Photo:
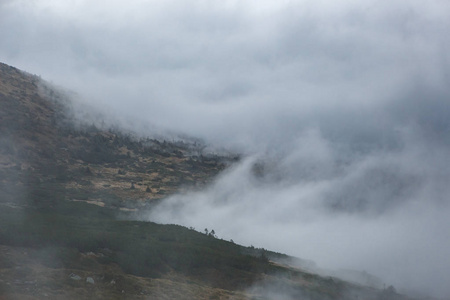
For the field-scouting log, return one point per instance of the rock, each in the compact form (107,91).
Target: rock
(90,280)
(74,276)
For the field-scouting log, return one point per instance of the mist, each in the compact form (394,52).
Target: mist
(341,111)
(383,212)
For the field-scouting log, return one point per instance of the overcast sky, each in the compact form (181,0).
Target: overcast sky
(346,102)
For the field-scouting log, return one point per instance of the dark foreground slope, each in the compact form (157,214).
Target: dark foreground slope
(54,244)
(80,251)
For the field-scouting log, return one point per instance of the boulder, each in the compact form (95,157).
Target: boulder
(74,276)
(90,280)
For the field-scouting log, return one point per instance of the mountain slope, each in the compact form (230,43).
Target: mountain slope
(40,140)
(54,244)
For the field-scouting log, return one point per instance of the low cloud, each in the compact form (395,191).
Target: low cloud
(383,211)
(237,74)
(341,110)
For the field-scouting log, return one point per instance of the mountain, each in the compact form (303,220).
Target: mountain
(42,145)
(68,192)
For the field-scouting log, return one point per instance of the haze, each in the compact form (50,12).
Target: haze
(343,106)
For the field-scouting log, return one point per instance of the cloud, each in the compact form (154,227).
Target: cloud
(383,212)
(234,66)
(343,106)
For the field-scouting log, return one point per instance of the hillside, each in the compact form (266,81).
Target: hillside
(41,141)
(67,194)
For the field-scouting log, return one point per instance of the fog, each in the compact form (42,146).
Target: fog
(385,212)
(341,110)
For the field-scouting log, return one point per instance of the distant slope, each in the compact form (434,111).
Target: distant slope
(41,145)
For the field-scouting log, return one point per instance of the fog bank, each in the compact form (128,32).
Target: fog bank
(341,109)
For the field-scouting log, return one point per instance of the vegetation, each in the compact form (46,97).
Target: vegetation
(139,248)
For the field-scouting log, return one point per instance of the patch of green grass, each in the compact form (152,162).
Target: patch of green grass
(139,248)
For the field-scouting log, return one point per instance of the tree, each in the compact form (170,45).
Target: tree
(213,234)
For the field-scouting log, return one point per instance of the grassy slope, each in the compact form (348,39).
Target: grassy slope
(142,249)
(141,258)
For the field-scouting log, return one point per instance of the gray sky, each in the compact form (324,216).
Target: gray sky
(347,102)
